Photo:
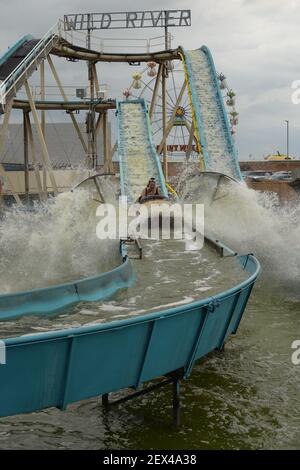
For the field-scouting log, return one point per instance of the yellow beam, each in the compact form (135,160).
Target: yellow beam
(164,116)
(202,164)
(171,121)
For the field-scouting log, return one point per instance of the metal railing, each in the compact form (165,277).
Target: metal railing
(22,69)
(79,38)
(52,92)
(110,44)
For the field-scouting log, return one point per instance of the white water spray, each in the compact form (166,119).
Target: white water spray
(54,243)
(252,221)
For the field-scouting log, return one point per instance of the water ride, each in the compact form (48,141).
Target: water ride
(57,367)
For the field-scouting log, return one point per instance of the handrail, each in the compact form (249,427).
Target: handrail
(27,61)
(42,40)
(77,36)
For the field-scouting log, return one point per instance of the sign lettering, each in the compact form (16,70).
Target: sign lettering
(128,20)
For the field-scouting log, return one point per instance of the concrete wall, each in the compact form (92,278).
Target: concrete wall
(265,165)
(285,192)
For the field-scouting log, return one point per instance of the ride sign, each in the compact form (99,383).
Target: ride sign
(128,20)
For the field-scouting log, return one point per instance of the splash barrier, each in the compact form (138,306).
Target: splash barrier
(55,369)
(46,301)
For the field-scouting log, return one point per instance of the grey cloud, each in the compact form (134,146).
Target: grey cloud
(255,43)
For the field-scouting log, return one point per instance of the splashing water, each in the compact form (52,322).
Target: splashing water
(137,149)
(219,152)
(252,221)
(54,243)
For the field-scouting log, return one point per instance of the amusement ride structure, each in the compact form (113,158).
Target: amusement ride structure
(174,104)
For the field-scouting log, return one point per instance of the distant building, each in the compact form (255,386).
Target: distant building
(64,146)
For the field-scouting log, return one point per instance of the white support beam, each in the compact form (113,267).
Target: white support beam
(43,118)
(63,94)
(109,155)
(190,143)
(42,78)
(45,154)
(105,144)
(3,136)
(113,150)
(4,128)
(99,123)
(155,91)
(42,194)
(96,80)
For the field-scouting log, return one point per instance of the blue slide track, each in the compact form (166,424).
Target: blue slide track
(19,62)
(139,160)
(12,52)
(210,116)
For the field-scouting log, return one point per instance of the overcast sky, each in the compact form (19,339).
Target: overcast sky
(255,43)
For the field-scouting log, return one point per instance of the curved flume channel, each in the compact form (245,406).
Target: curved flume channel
(168,275)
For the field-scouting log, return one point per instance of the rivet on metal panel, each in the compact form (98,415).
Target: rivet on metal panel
(213,305)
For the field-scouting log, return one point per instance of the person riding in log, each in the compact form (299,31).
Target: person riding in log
(151,189)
